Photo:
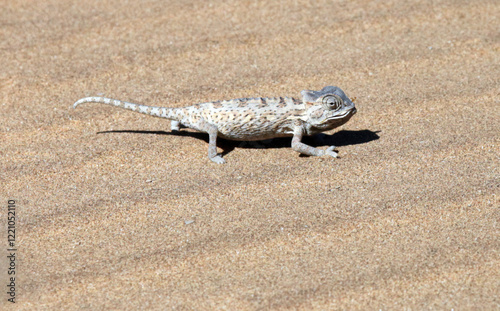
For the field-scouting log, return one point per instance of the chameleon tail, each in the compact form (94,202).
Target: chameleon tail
(161,112)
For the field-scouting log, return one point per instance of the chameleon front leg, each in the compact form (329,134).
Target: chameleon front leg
(300,147)
(212,142)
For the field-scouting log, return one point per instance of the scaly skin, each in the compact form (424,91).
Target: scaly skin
(249,119)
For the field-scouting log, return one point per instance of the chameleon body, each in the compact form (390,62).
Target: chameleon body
(250,119)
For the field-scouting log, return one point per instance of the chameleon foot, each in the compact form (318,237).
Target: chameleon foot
(331,152)
(218,159)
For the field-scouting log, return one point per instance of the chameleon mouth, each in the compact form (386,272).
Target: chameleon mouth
(350,112)
(341,117)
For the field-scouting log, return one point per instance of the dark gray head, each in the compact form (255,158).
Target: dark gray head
(328,106)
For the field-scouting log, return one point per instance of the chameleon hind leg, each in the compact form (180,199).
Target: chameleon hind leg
(212,142)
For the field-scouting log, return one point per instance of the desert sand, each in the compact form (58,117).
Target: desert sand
(114,212)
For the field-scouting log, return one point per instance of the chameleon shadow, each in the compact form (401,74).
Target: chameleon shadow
(339,139)
(221,143)
(346,138)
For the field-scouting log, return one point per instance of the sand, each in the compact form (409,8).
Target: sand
(113,212)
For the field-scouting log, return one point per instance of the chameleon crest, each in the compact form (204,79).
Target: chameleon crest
(260,118)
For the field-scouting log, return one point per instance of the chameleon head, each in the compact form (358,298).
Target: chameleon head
(328,108)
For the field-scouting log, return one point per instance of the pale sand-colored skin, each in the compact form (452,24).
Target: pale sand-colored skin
(116,213)
(250,119)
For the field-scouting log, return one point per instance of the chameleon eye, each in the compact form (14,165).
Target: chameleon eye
(332,102)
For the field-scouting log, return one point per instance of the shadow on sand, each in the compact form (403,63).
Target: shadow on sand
(339,139)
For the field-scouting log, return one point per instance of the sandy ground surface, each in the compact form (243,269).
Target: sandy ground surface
(115,212)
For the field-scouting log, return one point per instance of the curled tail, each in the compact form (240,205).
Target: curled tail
(161,112)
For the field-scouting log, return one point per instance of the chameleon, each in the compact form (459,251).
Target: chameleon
(252,119)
